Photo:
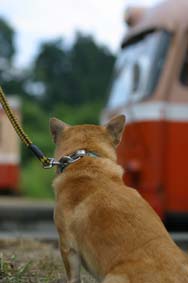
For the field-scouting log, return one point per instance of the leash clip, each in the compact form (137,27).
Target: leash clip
(52,163)
(68,159)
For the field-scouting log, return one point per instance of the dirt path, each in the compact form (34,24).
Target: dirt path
(27,261)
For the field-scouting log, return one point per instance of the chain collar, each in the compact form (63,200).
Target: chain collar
(69,159)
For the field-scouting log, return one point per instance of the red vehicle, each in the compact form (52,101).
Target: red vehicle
(150,87)
(9,151)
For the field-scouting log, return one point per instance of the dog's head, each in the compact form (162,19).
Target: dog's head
(100,139)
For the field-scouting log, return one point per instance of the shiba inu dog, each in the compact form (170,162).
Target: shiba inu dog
(102,224)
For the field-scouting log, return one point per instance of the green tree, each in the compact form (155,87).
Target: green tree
(50,68)
(75,76)
(91,70)
(7,46)
(11,79)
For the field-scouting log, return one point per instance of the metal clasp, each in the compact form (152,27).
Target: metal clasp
(65,160)
(74,157)
(52,163)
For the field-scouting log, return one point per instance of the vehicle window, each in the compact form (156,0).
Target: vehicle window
(136,77)
(184,70)
(138,68)
(121,88)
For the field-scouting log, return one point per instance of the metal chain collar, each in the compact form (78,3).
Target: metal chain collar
(69,159)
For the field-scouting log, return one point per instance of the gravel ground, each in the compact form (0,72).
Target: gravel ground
(28,261)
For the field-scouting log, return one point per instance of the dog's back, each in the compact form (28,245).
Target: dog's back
(103,224)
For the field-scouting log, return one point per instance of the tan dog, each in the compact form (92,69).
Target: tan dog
(103,224)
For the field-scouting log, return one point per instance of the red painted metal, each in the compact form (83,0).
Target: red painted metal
(9,177)
(9,151)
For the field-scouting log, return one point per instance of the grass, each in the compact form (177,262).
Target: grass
(9,272)
(27,261)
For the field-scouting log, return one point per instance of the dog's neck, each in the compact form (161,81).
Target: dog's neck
(65,161)
(103,161)
(89,168)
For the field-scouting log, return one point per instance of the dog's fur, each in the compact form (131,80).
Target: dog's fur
(103,224)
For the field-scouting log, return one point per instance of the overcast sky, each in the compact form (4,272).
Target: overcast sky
(39,20)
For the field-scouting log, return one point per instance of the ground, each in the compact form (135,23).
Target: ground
(27,261)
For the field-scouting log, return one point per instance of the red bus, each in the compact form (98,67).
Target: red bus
(9,151)
(150,87)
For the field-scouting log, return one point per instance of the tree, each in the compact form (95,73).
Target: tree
(91,70)
(73,76)
(7,48)
(10,79)
(50,68)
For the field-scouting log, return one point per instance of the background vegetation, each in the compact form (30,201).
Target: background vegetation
(70,83)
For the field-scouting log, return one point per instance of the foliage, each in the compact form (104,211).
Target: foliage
(87,113)
(35,124)
(7,48)
(11,80)
(67,82)
(37,182)
(91,70)
(75,76)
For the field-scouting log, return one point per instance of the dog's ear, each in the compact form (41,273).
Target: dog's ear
(56,127)
(115,128)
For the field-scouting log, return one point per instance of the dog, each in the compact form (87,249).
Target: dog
(102,224)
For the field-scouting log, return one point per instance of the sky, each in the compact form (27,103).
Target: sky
(36,21)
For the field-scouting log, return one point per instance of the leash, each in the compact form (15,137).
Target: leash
(47,163)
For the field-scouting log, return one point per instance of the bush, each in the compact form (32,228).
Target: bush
(36,182)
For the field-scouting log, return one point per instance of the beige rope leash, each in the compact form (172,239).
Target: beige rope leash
(46,162)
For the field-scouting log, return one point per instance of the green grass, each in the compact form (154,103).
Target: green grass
(28,261)
(10,273)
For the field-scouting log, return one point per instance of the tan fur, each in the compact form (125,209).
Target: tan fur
(103,224)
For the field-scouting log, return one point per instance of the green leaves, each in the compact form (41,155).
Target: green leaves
(74,76)
(7,48)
